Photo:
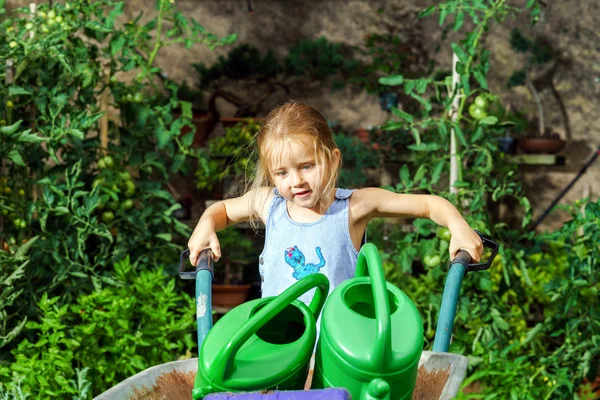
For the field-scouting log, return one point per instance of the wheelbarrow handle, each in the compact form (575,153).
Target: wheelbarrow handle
(204,262)
(464,258)
(459,267)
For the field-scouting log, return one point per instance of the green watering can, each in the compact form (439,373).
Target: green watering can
(371,336)
(263,344)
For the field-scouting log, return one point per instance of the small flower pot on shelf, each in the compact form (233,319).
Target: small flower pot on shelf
(541,145)
(229,295)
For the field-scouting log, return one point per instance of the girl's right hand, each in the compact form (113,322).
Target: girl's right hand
(203,237)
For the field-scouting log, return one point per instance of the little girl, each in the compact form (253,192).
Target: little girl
(311,226)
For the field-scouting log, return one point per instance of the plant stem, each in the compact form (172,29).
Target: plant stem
(158,43)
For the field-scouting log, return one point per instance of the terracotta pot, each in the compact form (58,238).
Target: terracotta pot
(541,145)
(362,134)
(228,122)
(229,295)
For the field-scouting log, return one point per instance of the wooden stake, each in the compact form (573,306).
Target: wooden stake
(104,109)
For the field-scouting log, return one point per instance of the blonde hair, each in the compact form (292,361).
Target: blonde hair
(299,122)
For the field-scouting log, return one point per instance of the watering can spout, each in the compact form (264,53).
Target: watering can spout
(377,389)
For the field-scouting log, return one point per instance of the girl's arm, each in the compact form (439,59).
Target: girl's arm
(222,214)
(374,202)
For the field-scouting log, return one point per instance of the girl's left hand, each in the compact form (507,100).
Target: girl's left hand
(465,238)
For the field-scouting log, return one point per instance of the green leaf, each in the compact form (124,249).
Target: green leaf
(461,184)
(25,247)
(464,80)
(459,133)
(489,120)
(60,210)
(165,236)
(186,109)
(420,173)
(393,80)
(437,171)
(404,174)
(11,129)
(404,115)
(76,133)
(416,135)
(163,137)
(460,53)
(425,103)
(97,26)
(422,85)
(480,78)
(426,12)
(442,129)
(459,20)
(116,45)
(477,135)
(16,158)
(27,137)
(17,91)
(443,14)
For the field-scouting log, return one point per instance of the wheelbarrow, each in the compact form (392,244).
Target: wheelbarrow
(439,376)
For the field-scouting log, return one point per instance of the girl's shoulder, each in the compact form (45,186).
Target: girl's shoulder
(261,199)
(364,201)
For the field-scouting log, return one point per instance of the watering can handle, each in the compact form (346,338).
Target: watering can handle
(369,264)
(223,361)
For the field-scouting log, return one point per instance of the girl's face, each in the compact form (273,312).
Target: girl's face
(297,176)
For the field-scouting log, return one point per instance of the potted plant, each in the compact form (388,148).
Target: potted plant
(226,160)
(245,70)
(540,54)
(237,253)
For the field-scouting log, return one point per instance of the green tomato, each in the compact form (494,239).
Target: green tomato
(108,216)
(480,102)
(137,97)
(101,164)
(21,193)
(44,28)
(477,112)
(59,19)
(42,14)
(125,176)
(7,190)
(29,26)
(444,233)
(9,104)
(13,44)
(127,204)
(129,186)
(51,14)
(23,224)
(109,161)
(432,261)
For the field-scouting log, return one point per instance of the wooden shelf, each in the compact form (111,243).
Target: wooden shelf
(537,159)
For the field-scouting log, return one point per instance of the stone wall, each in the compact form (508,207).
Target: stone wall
(568,25)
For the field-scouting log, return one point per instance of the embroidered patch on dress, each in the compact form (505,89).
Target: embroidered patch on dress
(295,259)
